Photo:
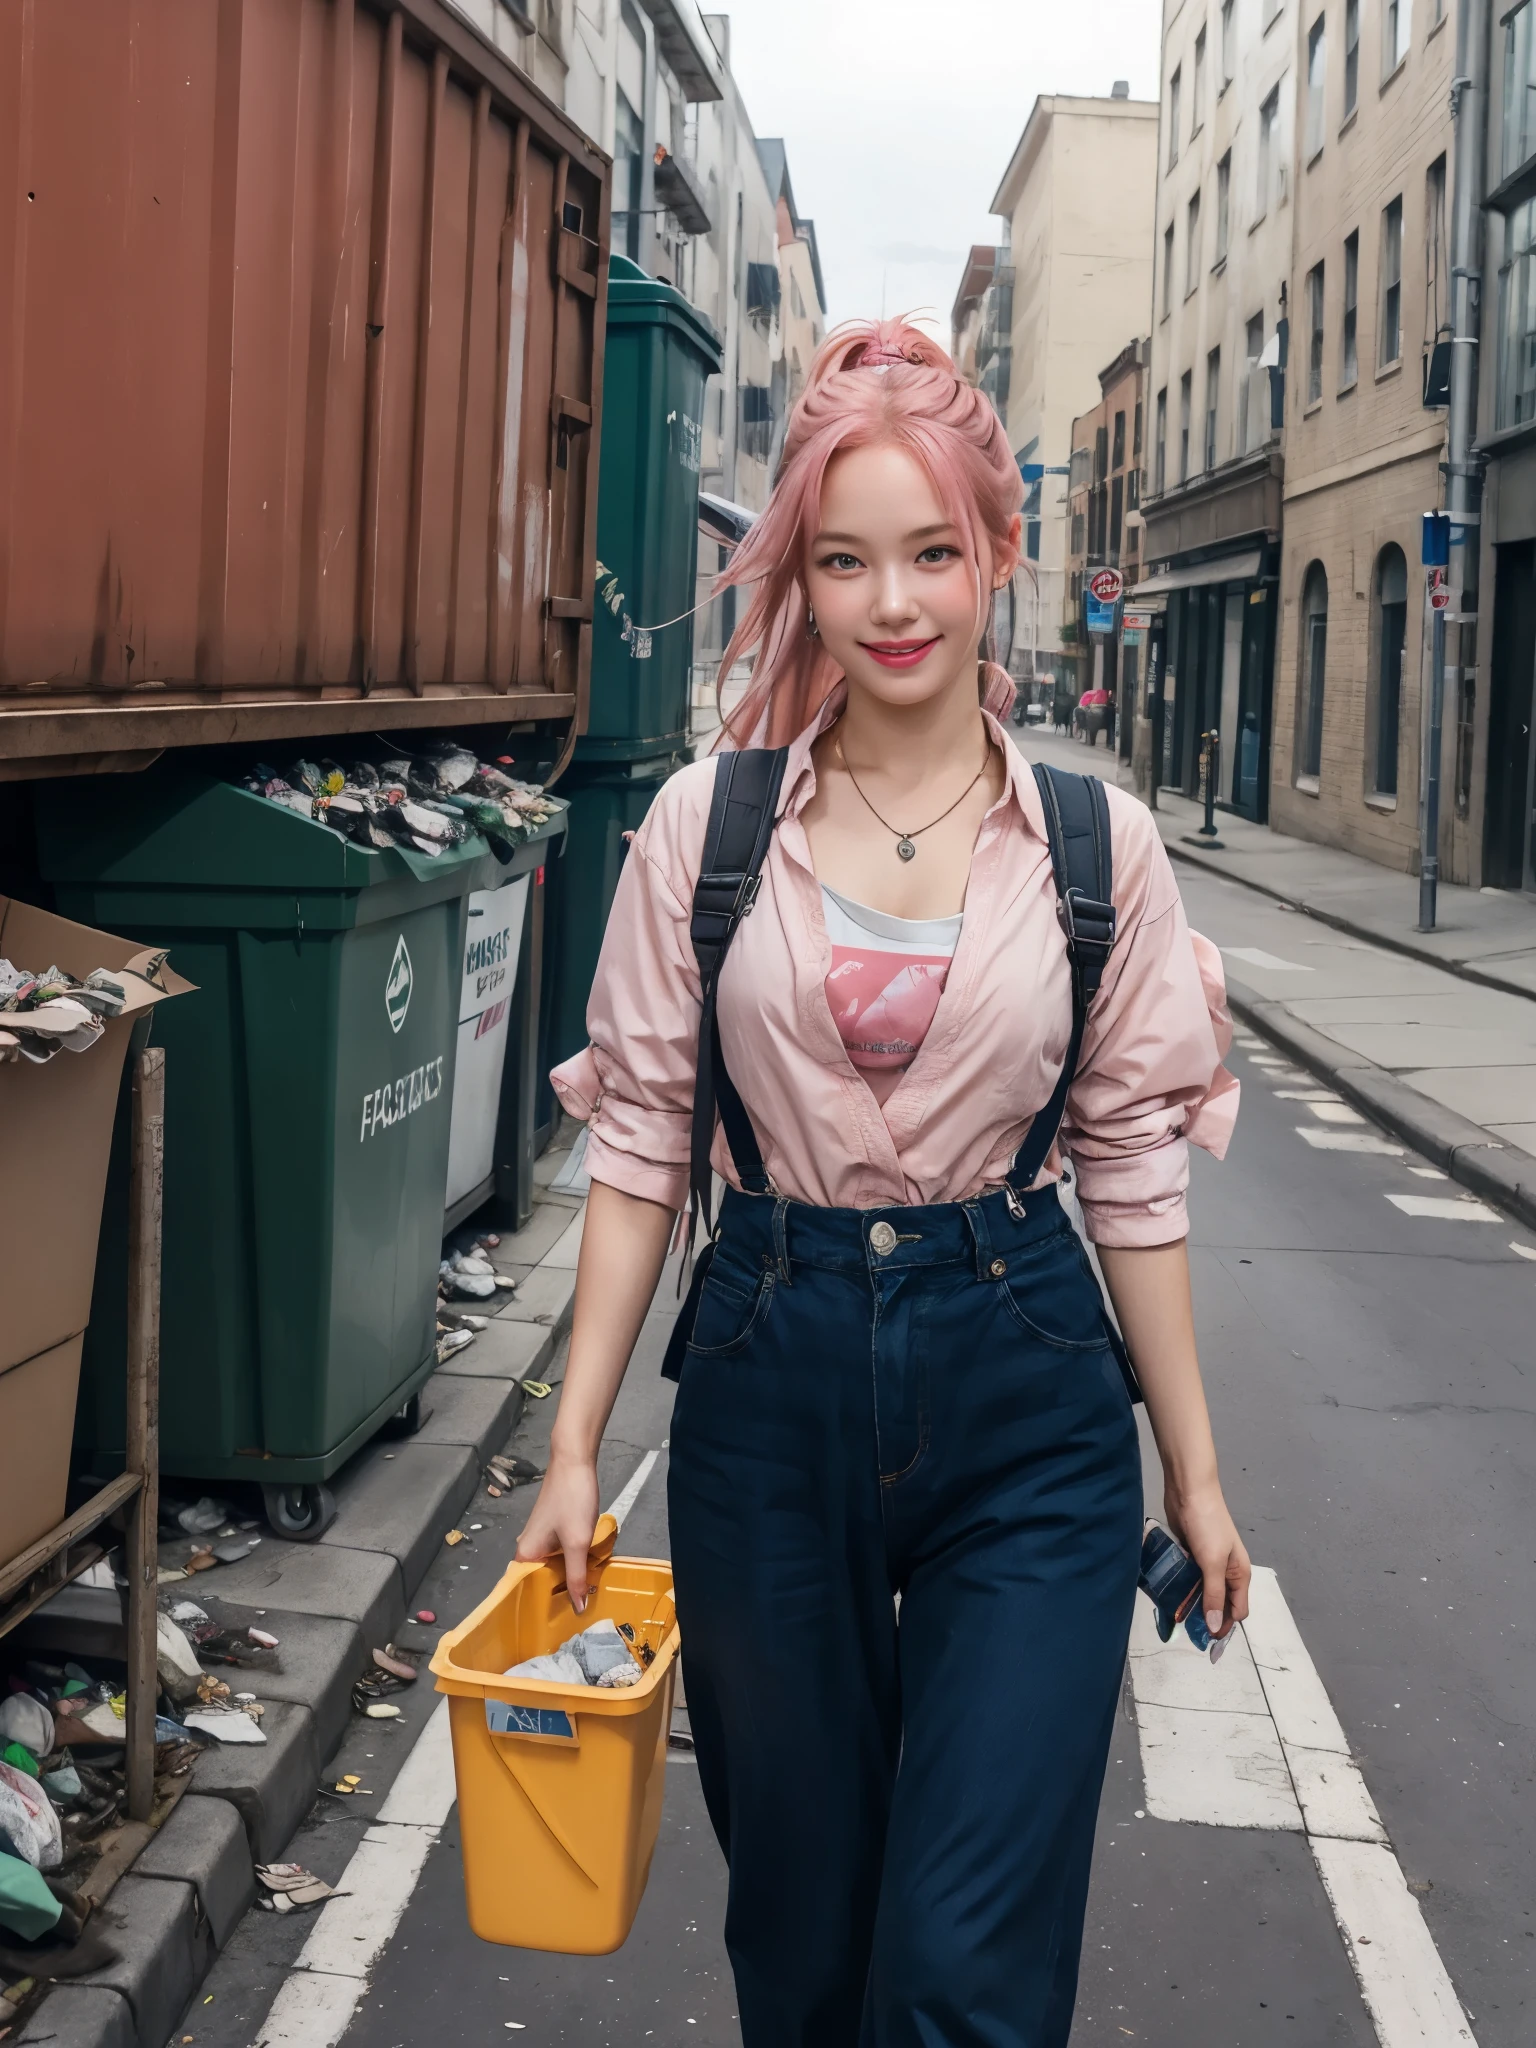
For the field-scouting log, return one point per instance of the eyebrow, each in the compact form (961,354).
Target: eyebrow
(918,533)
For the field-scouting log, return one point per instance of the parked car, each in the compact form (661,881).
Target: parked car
(1093,715)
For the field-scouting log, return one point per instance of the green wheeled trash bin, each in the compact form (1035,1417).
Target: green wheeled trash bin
(659,353)
(307,1121)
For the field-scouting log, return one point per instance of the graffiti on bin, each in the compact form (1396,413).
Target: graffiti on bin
(396,1099)
(502,1718)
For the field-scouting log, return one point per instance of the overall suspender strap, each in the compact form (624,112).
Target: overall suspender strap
(742,814)
(1082,861)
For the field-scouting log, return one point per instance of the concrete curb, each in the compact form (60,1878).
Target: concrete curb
(1499,1173)
(185,1896)
(1391,942)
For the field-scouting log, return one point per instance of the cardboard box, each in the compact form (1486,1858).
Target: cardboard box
(55,1137)
(37,1424)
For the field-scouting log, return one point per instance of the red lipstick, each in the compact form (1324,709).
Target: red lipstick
(899,653)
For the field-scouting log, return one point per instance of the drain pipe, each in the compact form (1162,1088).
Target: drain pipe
(647,239)
(1463,466)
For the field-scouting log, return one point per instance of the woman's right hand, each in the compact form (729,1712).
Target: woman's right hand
(563,1519)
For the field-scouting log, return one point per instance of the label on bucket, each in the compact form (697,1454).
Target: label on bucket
(502,1718)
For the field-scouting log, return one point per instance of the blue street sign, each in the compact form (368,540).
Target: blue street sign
(1435,548)
(1101,617)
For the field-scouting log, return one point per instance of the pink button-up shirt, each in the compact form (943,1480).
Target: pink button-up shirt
(1149,1078)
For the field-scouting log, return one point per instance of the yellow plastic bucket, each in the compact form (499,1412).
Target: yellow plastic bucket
(560,1786)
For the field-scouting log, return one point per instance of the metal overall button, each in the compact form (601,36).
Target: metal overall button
(998,1268)
(882,1238)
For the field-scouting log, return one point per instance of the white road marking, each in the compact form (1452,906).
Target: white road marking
(1526,1251)
(1306,1095)
(1336,1113)
(1326,1140)
(626,1500)
(1407,1992)
(317,2000)
(1254,1742)
(1255,956)
(1429,1173)
(1448,1208)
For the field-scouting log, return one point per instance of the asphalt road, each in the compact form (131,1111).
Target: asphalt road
(1370,1373)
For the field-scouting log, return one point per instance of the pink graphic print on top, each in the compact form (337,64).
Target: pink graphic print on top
(886,979)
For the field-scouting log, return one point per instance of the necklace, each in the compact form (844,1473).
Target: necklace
(904,848)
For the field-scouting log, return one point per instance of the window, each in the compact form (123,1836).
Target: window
(1269,123)
(1519,89)
(1391,284)
(1117,443)
(1255,387)
(1136,435)
(1314,334)
(1436,299)
(1349,340)
(1228,42)
(1116,517)
(1167,270)
(1197,93)
(1314,664)
(1175,98)
(1186,399)
(1396,28)
(1351,56)
(1160,445)
(1132,496)
(1516,400)
(1100,454)
(1317,72)
(1391,624)
(1223,205)
(1192,247)
(1212,404)
(1079,533)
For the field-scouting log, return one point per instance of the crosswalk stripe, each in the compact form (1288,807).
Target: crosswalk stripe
(1447,1208)
(1255,1742)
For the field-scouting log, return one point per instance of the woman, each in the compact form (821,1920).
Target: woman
(905,1492)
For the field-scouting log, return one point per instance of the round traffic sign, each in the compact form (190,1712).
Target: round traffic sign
(1439,600)
(1106,585)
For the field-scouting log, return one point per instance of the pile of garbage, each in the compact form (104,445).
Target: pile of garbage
(44,1014)
(429,801)
(201,1534)
(62,1795)
(609,1654)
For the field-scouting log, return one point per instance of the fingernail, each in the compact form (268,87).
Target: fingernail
(581,1604)
(1213,1619)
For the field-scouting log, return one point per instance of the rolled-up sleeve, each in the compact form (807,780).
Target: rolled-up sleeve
(633,1084)
(1150,1078)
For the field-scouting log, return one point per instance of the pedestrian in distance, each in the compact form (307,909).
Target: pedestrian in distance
(905,1483)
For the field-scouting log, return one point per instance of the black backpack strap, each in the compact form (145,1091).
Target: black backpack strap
(742,814)
(1082,862)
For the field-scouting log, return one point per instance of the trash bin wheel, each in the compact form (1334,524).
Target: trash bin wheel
(300,1513)
(407,1421)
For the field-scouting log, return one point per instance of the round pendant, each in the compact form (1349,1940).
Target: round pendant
(906,849)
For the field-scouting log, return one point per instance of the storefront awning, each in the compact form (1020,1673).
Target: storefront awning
(1226,569)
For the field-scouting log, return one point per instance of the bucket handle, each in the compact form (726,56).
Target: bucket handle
(599,1550)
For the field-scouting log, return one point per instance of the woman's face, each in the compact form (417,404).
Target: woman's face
(889,579)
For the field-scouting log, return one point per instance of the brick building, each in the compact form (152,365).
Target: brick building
(1104,529)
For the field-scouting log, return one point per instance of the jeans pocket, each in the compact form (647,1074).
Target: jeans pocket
(1051,1293)
(731,1311)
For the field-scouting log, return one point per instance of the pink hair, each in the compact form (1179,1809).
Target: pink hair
(872,383)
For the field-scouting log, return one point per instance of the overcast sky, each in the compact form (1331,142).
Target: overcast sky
(900,116)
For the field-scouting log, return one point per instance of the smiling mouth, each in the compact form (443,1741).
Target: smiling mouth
(899,653)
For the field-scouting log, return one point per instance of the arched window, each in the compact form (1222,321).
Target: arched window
(1314,669)
(1391,637)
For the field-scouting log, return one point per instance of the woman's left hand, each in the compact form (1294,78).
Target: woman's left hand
(1207,1531)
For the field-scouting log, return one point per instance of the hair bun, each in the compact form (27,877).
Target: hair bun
(879,345)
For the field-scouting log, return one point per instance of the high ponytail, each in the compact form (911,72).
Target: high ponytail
(872,382)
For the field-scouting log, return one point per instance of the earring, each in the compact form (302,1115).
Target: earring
(812,630)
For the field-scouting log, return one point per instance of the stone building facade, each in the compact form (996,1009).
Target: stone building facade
(1368,295)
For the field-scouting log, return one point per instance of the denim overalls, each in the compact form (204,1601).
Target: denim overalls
(923,1406)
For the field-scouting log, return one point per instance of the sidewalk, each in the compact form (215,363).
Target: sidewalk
(330,1604)
(1432,1035)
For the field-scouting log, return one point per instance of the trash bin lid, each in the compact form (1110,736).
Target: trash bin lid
(636,299)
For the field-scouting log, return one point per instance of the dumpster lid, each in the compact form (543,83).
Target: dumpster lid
(635,298)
